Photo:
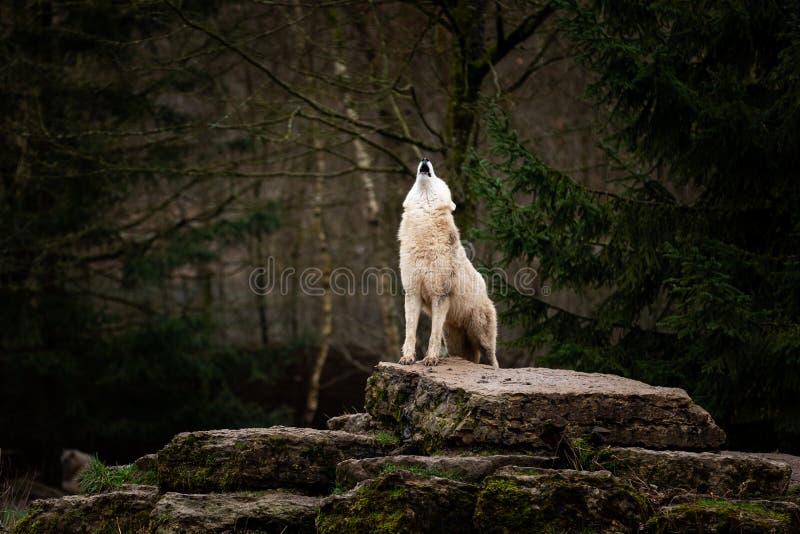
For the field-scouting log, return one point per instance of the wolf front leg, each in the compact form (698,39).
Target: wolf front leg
(413,307)
(439,307)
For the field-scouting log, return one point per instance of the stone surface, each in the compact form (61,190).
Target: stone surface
(790,459)
(356,423)
(258,458)
(400,502)
(710,515)
(126,509)
(148,462)
(720,474)
(461,404)
(525,500)
(235,512)
(464,468)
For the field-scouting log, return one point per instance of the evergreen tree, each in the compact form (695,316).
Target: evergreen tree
(691,257)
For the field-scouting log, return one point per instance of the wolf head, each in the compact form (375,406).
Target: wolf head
(425,168)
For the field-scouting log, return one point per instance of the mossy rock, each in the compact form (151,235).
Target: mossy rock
(126,509)
(730,475)
(259,458)
(710,515)
(554,501)
(461,405)
(401,502)
(267,512)
(472,469)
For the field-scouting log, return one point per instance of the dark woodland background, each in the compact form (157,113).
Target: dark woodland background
(641,156)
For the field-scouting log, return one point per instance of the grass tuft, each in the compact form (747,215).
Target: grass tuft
(98,477)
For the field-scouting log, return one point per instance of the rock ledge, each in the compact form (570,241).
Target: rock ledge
(461,404)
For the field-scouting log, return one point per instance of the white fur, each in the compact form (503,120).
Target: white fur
(439,279)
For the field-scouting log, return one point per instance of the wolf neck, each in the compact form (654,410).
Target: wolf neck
(430,193)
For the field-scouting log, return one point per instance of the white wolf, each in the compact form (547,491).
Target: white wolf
(439,278)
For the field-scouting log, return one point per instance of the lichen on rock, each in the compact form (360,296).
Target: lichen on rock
(712,515)
(235,512)
(400,502)
(126,509)
(471,469)
(464,405)
(259,458)
(529,500)
(704,472)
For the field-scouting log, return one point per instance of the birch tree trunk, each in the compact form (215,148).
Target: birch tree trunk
(372,215)
(324,263)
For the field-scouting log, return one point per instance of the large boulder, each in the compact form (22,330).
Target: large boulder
(707,515)
(462,404)
(464,468)
(400,502)
(258,458)
(235,512)
(524,500)
(126,509)
(719,474)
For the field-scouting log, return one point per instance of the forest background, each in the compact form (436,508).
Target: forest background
(199,204)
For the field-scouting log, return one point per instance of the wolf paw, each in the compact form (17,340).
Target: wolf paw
(406,360)
(431,360)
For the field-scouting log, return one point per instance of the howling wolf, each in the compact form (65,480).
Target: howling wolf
(439,278)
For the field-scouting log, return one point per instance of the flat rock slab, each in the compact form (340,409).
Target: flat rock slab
(235,512)
(792,460)
(708,515)
(124,510)
(462,404)
(727,475)
(464,468)
(400,502)
(524,500)
(259,458)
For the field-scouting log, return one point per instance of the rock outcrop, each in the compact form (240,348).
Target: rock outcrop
(464,468)
(519,499)
(712,515)
(463,405)
(400,502)
(126,509)
(175,513)
(259,458)
(718,474)
(356,423)
(505,450)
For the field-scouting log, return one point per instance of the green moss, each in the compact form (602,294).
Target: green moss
(505,505)
(735,507)
(109,517)
(375,510)
(554,503)
(441,473)
(719,515)
(387,439)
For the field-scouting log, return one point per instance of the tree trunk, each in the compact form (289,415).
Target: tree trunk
(372,215)
(467,70)
(326,320)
